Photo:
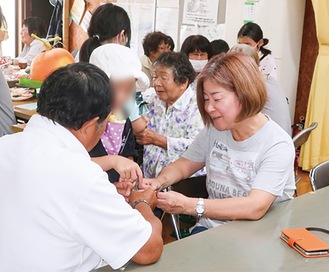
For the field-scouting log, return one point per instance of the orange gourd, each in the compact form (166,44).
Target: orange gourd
(50,60)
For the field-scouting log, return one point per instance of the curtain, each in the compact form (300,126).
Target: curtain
(316,149)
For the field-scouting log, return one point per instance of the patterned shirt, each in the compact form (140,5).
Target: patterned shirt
(180,123)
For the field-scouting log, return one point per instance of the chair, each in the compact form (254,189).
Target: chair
(302,137)
(298,140)
(190,187)
(319,176)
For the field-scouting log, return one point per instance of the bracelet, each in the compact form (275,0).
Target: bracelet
(139,201)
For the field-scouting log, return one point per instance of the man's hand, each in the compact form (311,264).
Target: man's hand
(173,202)
(148,195)
(146,137)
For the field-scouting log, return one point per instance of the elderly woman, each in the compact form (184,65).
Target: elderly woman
(174,119)
(249,158)
(32,47)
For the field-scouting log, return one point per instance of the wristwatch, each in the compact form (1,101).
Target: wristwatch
(199,209)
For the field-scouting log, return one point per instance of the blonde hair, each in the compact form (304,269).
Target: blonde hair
(248,50)
(238,73)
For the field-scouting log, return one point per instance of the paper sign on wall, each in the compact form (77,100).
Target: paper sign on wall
(86,21)
(169,27)
(249,12)
(78,10)
(200,12)
(212,32)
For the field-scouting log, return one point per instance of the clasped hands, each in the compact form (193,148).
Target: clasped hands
(170,202)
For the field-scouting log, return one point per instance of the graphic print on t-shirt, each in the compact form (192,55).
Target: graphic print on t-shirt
(231,172)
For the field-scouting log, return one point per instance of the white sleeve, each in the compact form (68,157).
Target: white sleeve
(276,169)
(35,49)
(108,225)
(197,151)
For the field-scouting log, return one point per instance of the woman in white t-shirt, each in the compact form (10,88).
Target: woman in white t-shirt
(32,46)
(249,158)
(251,34)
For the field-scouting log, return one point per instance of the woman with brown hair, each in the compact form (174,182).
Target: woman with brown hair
(249,158)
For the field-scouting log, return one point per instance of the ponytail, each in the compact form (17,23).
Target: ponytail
(88,47)
(264,50)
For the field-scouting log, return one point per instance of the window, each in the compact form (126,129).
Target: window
(9,11)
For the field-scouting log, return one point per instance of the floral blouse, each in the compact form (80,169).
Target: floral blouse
(180,123)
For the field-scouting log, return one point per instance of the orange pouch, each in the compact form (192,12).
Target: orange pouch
(305,242)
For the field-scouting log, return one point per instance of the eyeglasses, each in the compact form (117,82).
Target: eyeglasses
(198,55)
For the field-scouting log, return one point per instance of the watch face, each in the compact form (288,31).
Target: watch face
(199,209)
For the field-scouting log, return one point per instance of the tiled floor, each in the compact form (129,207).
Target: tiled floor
(303,187)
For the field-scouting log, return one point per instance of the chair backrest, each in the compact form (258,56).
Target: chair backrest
(192,187)
(319,176)
(302,137)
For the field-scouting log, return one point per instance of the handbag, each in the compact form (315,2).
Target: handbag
(305,242)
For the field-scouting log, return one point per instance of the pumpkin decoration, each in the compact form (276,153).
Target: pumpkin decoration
(50,60)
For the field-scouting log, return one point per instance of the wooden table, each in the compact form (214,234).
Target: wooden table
(24,114)
(249,245)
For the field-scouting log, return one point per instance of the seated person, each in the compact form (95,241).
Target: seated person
(171,43)
(249,158)
(32,47)
(174,118)
(276,106)
(154,44)
(123,67)
(7,116)
(219,46)
(198,50)
(57,210)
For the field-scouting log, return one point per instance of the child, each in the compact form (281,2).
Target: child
(116,149)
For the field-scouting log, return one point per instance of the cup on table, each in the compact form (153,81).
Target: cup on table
(22,64)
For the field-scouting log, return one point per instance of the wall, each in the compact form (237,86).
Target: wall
(282,23)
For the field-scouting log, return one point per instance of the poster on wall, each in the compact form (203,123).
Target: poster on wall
(142,21)
(212,32)
(249,12)
(86,21)
(200,12)
(169,27)
(77,11)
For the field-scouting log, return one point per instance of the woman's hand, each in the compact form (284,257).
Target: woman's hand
(150,137)
(175,203)
(146,137)
(146,183)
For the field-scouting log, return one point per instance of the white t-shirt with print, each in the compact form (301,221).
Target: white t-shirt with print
(264,161)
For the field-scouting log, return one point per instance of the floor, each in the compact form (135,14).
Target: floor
(303,187)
